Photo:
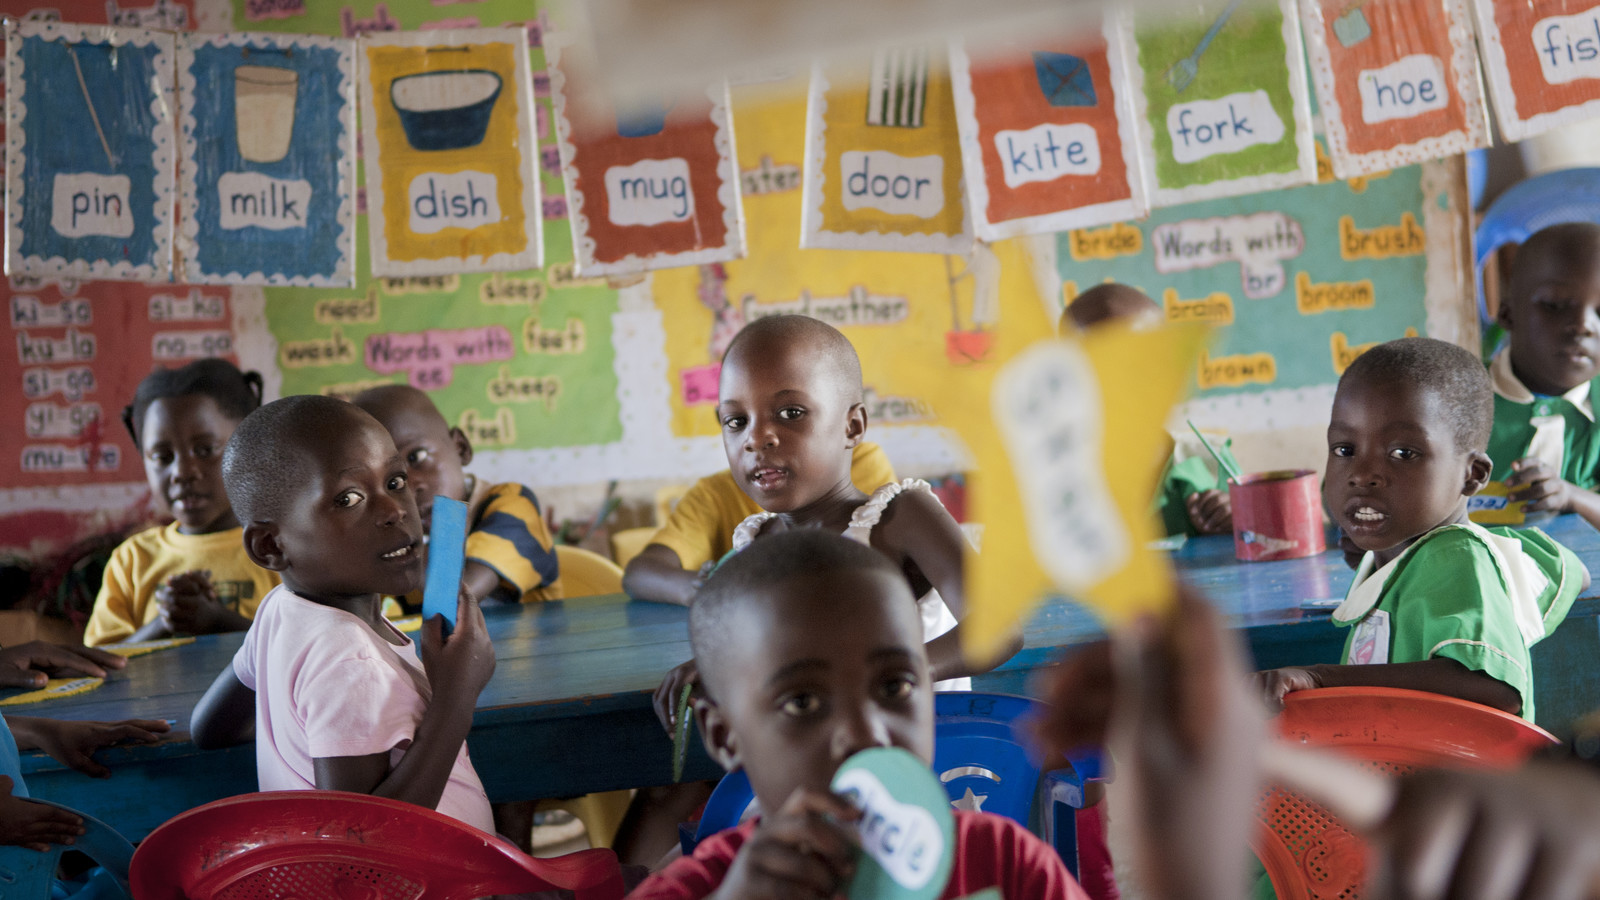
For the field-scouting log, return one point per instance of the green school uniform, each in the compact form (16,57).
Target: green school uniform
(1561,431)
(1480,596)
(1190,471)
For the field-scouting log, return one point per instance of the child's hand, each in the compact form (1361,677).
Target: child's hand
(1274,684)
(189,604)
(1211,512)
(74,743)
(1536,482)
(1532,833)
(32,664)
(801,851)
(24,823)
(464,662)
(666,696)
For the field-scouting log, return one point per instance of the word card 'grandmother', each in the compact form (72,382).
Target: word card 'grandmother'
(451,181)
(651,179)
(1047,136)
(1397,81)
(883,157)
(268,161)
(1220,92)
(1543,62)
(89,139)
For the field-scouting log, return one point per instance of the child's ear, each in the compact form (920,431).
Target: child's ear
(261,544)
(855,423)
(1502,315)
(463,446)
(716,734)
(1479,468)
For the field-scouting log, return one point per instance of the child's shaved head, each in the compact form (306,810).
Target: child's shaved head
(1567,242)
(384,401)
(262,463)
(1455,376)
(1108,302)
(782,332)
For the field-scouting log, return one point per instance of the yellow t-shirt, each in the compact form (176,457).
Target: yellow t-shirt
(144,562)
(506,531)
(700,528)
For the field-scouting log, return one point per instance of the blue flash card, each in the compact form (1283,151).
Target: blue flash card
(447,553)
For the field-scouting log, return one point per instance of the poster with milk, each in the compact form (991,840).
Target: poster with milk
(449,152)
(883,157)
(1397,81)
(89,143)
(1543,62)
(267,162)
(1047,133)
(651,179)
(1220,95)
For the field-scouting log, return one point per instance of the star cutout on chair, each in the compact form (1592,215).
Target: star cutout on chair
(970,802)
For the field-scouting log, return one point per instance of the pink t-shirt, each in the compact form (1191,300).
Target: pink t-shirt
(327,685)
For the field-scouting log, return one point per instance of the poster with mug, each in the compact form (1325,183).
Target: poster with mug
(1397,81)
(1543,62)
(449,152)
(1220,95)
(267,164)
(89,141)
(651,179)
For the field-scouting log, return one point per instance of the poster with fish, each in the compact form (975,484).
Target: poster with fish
(1543,62)
(89,142)
(267,162)
(651,180)
(883,157)
(449,152)
(1047,134)
(1397,81)
(1220,99)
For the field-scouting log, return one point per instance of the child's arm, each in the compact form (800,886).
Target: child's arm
(1211,512)
(458,669)
(657,574)
(917,527)
(24,823)
(801,851)
(1440,675)
(32,664)
(189,605)
(226,715)
(1542,486)
(75,743)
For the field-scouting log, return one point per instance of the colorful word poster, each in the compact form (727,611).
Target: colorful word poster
(268,162)
(1397,81)
(883,156)
(1046,135)
(1221,98)
(651,181)
(1543,61)
(89,141)
(450,152)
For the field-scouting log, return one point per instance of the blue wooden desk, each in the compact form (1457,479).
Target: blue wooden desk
(568,711)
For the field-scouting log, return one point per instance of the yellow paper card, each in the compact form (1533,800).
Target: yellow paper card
(54,689)
(140,648)
(1493,506)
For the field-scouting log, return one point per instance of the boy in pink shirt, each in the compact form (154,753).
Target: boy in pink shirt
(336,694)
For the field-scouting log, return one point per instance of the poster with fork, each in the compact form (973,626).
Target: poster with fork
(89,151)
(1221,102)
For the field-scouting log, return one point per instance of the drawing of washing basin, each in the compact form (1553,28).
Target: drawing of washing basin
(445,110)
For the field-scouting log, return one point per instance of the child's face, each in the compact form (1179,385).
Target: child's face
(353,529)
(786,426)
(1553,314)
(434,455)
(826,667)
(1394,470)
(182,440)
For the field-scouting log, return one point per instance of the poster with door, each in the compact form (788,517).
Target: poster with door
(1046,133)
(1220,94)
(89,143)
(1397,81)
(267,168)
(1543,62)
(449,152)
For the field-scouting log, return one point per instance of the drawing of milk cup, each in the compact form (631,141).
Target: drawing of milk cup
(445,110)
(263,111)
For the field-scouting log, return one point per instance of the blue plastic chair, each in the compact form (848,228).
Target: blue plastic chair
(1567,195)
(981,763)
(29,874)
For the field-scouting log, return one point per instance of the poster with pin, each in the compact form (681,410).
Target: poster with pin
(89,143)
(267,167)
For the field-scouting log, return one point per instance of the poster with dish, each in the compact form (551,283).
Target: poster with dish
(449,152)
(883,156)
(1397,81)
(651,180)
(1543,62)
(267,161)
(1046,134)
(89,143)
(1220,99)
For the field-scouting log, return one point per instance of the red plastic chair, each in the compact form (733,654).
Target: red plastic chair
(332,844)
(1306,851)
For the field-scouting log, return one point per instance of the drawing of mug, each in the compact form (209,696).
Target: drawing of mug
(263,111)
(641,116)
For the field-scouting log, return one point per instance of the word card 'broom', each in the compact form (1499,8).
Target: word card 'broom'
(447,554)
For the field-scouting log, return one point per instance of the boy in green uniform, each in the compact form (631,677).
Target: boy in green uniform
(1545,445)
(1438,603)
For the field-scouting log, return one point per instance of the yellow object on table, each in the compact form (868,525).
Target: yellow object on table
(140,648)
(55,689)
